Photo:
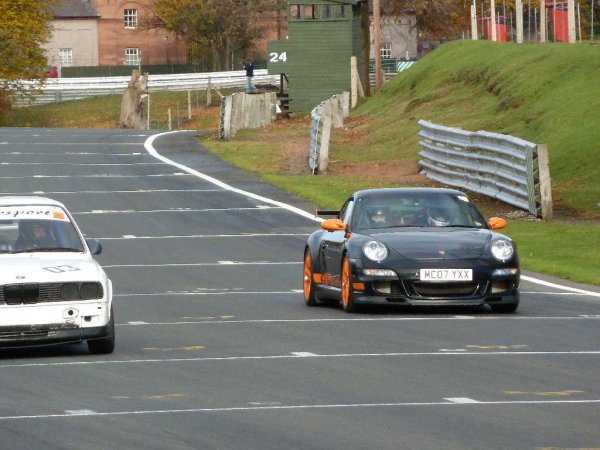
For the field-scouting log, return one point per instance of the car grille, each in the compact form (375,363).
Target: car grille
(8,335)
(418,289)
(32,293)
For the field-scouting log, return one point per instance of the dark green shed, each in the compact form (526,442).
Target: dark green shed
(315,59)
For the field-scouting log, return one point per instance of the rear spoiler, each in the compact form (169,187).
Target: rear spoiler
(326,212)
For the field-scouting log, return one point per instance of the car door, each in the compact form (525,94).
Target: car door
(332,248)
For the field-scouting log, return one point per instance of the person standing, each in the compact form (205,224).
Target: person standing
(249,67)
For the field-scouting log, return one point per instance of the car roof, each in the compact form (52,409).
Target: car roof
(25,200)
(405,190)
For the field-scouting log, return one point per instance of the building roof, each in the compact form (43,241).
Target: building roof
(75,9)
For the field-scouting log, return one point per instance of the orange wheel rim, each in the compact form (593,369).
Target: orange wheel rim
(307,275)
(345,282)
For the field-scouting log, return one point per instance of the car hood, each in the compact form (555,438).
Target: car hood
(44,268)
(435,243)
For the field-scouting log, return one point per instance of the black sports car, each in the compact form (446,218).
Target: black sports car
(411,246)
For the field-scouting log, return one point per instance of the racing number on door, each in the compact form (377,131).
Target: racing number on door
(277,57)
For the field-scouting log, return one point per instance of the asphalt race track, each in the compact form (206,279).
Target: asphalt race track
(216,349)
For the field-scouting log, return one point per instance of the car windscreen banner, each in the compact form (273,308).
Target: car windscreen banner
(33,212)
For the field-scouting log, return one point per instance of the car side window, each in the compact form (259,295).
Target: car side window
(346,211)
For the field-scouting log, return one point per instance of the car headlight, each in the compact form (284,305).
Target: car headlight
(81,291)
(375,251)
(502,250)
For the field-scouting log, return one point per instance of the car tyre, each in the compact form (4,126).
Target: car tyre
(505,309)
(106,344)
(347,291)
(308,284)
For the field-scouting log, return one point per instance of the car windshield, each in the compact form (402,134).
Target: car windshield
(32,229)
(416,209)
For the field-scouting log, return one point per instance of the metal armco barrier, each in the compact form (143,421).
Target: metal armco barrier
(57,90)
(328,113)
(496,165)
(241,110)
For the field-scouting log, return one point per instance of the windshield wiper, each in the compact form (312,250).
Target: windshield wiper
(49,249)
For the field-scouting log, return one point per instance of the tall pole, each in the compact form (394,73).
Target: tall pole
(474,21)
(579,21)
(571,20)
(529,20)
(504,15)
(377,44)
(519,19)
(542,20)
(592,23)
(365,51)
(493,19)
(482,24)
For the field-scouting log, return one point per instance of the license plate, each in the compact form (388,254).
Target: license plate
(446,274)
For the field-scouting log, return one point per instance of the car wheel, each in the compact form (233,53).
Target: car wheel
(308,285)
(106,344)
(347,292)
(505,309)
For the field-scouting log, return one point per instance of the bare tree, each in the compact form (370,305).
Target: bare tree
(132,103)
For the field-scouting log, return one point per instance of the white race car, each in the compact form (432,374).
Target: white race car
(51,288)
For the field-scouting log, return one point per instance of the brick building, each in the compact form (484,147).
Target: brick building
(108,33)
(121,41)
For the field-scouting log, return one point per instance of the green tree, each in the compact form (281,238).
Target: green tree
(219,26)
(25,26)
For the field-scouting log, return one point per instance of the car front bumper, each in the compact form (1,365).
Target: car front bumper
(29,336)
(46,324)
(488,287)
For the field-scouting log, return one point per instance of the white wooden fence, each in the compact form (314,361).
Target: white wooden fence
(331,112)
(63,89)
(241,110)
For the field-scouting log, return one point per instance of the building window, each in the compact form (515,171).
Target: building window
(65,57)
(386,51)
(132,56)
(295,12)
(310,12)
(130,18)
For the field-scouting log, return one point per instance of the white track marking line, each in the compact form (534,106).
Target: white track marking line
(217,264)
(488,354)
(128,191)
(462,400)
(81,164)
(559,286)
(210,236)
(178,210)
(302,321)
(149,147)
(101,175)
(279,408)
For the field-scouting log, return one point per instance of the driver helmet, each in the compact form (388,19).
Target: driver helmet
(35,229)
(438,217)
(378,215)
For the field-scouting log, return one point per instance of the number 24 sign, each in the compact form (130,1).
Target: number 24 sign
(275,57)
